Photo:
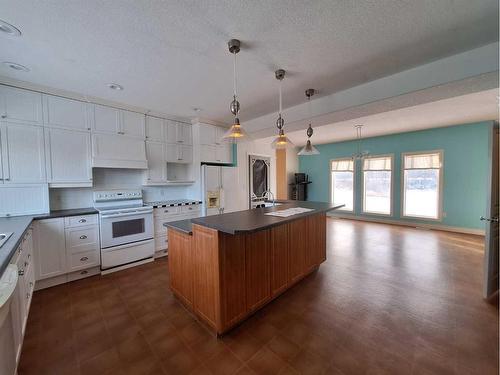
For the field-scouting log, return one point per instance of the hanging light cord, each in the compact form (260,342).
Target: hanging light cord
(234,75)
(280,99)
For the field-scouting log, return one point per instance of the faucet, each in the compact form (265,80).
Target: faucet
(269,192)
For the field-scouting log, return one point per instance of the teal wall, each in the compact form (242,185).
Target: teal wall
(465,169)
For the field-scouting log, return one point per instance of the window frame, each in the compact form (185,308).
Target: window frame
(391,194)
(440,186)
(343,209)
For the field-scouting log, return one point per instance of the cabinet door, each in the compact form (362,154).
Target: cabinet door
(68,156)
(118,151)
(157,166)
(24,199)
(23,153)
(223,153)
(185,134)
(279,259)
(19,105)
(316,234)
(170,131)
(172,153)
(207,134)
(257,269)
(185,154)
(132,124)
(297,249)
(50,248)
(65,113)
(154,129)
(106,119)
(208,153)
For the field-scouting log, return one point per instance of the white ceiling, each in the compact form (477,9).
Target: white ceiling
(172,56)
(464,109)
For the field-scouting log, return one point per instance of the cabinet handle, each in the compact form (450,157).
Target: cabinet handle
(4,116)
(20,272)
(166,211)
(31,284)
(83,237)
(26,264)
(82,221)
(7,179)
(28,296)
(84,259)
(84,272)
(29,256)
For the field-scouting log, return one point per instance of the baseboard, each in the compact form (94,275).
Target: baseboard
(447,228)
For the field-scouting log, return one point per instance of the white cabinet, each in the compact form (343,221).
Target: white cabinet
(23,153)
(18,105)
(50,248)
(65,113)
(178,132)
(109,120)
(106,120)
(111,151)
(157,166)
(132,124)
(155,129)
(68,158)
(177,153)
(212,148)
(23,199)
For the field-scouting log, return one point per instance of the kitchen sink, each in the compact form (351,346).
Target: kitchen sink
(4,237)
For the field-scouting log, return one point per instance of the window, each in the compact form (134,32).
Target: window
(421,190)
(342,180)
(377,185)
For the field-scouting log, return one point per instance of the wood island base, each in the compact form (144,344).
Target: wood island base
(224,278)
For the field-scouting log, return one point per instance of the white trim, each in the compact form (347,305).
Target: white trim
(478,232)
(330,193)
(391,194)
(440,192)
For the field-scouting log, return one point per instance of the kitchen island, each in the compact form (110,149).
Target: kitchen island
(225,267)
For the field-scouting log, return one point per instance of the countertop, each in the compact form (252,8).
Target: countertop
(19,224)
(254,220)
(184,226)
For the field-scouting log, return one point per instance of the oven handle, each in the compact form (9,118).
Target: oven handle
(119,247)
(126,214)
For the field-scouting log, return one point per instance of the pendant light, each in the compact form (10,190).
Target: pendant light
(236,133)
(359,155)
(281,141)
(309,149)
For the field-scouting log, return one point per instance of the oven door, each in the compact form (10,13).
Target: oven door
(119,228)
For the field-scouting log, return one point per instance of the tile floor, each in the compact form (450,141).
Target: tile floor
(389,300)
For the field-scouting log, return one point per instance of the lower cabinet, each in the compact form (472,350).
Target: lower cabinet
(21,301)
(66,249)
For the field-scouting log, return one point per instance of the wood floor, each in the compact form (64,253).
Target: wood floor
(388,300)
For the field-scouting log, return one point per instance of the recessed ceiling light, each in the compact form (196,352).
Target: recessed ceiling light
(115,86)
(15,66)
(9,29)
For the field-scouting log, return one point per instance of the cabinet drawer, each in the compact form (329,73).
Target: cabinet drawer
(84,260)
(78,221)
(165,211)
(82,239)
(190,209)
(84,273)
(161,243)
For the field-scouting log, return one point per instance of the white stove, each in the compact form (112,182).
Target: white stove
(126,227)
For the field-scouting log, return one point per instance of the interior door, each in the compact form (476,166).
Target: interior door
(491,239)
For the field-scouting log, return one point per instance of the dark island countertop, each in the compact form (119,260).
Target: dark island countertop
(248,221)
(19,224)
(184,226)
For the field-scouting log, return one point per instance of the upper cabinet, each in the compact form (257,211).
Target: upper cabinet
(179,132)
(66,113)
(106,120)
(17,105)
(133,124)
(111,120)
(68,158)
(23,153)
(155,129)
(212,149)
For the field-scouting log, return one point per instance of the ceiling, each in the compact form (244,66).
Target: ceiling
(172,56)
(463,109)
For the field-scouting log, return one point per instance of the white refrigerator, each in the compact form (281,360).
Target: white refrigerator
(220,189)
